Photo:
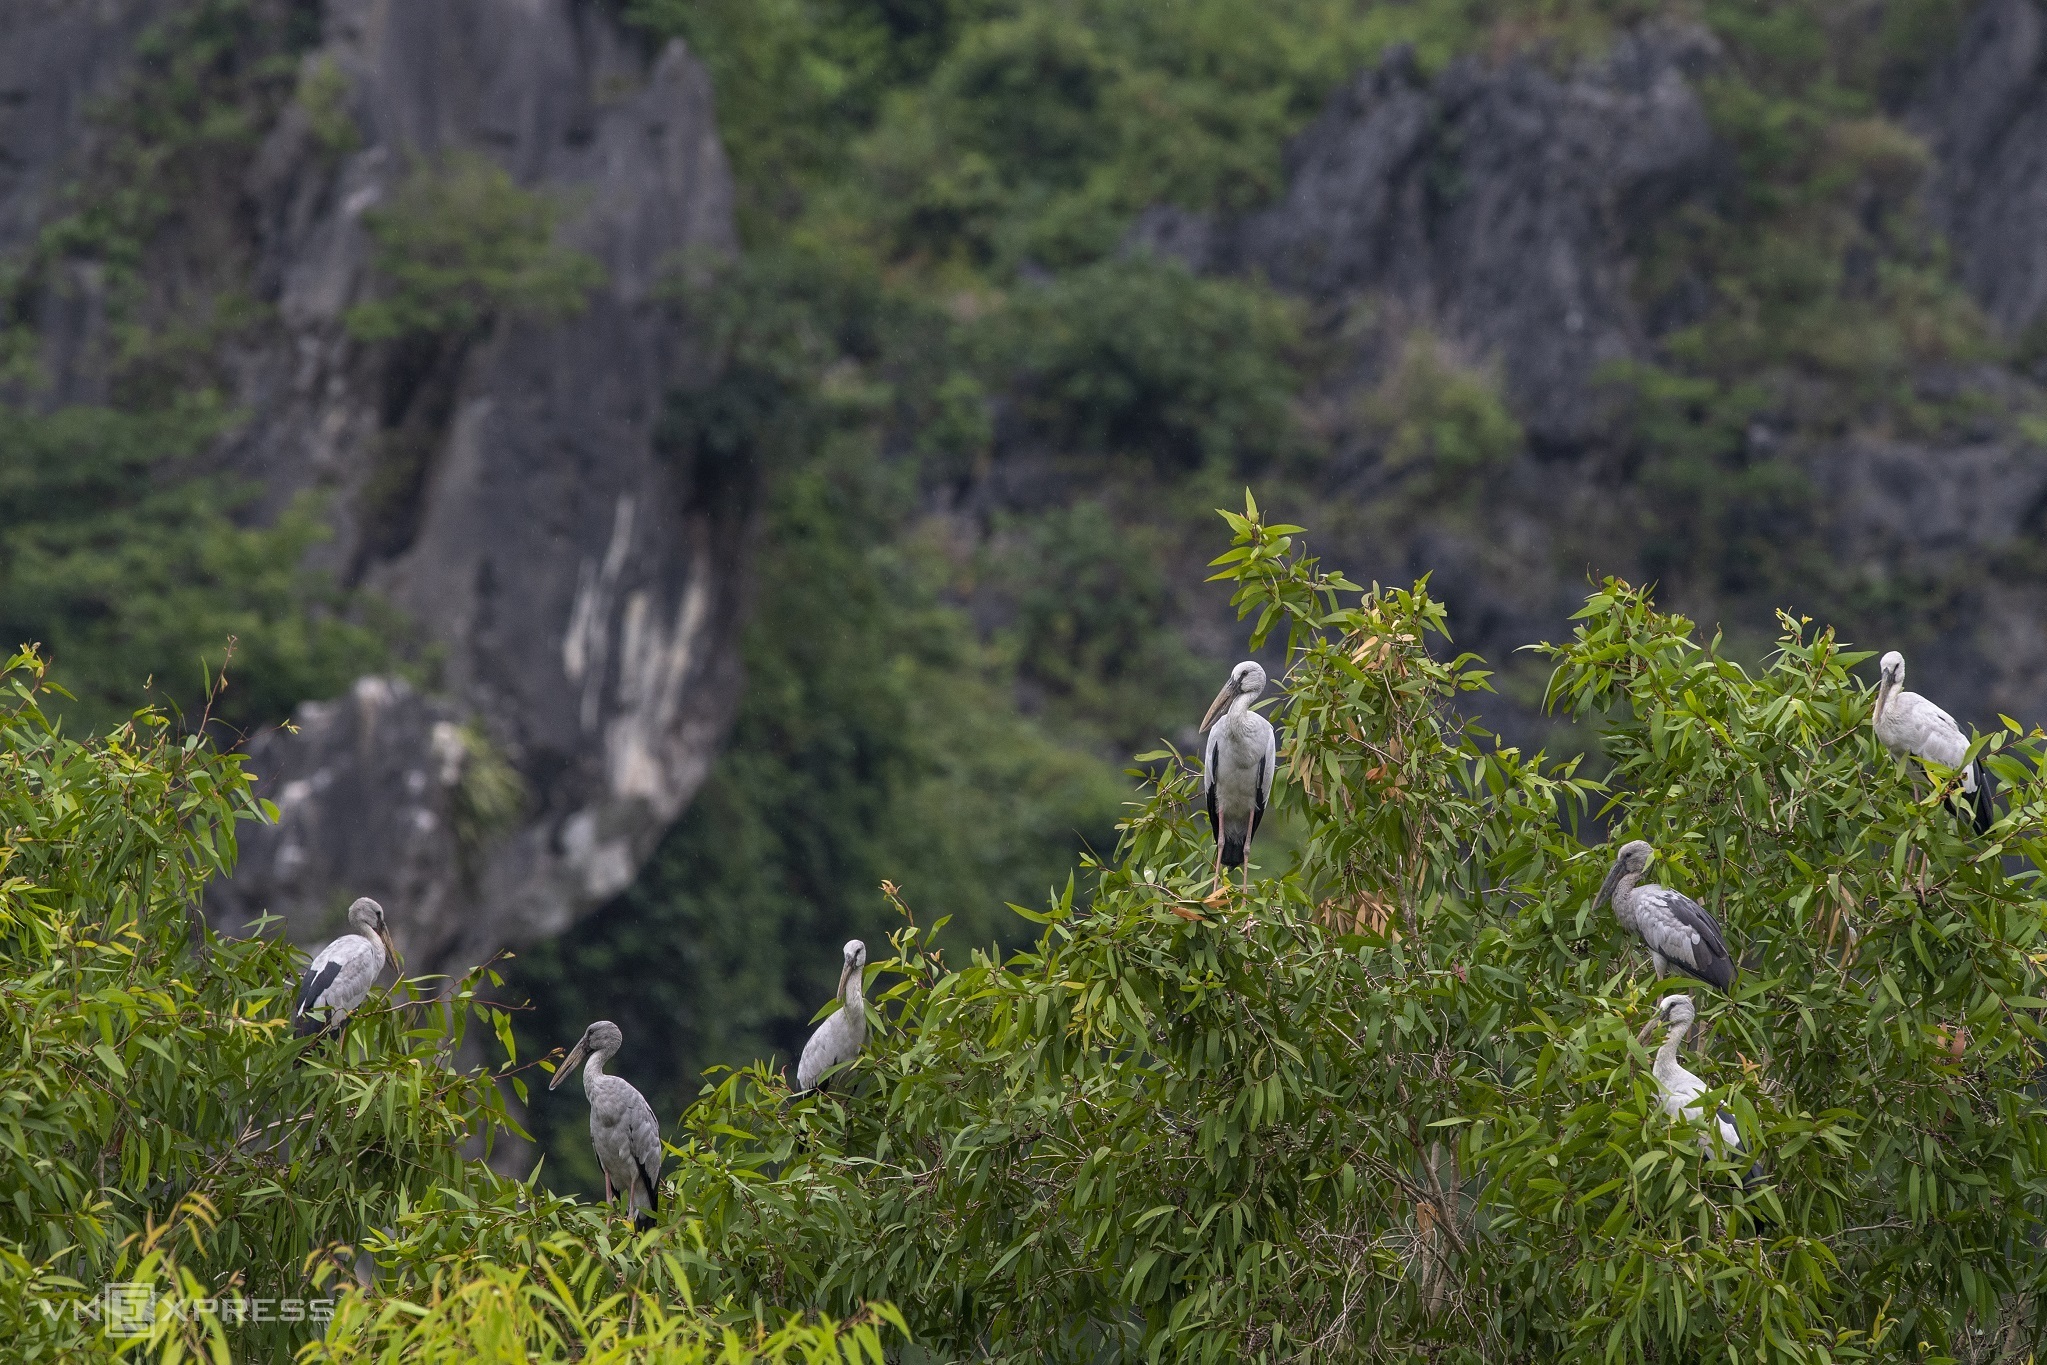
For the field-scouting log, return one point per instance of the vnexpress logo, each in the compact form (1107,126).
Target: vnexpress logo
(128,1308)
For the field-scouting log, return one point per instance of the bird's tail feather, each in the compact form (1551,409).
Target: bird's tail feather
(1233,848)
(1979,799)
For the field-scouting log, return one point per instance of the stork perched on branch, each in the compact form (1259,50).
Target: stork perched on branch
(838,1039)
(1236,768)
(1682,938)
(1679,1089)
(1911,726)
(340,975)
(622,1126)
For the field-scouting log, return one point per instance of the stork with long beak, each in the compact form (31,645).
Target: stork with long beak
(340,975)
(838,1039)
(622,1126)
(1236,769)
(1910,726)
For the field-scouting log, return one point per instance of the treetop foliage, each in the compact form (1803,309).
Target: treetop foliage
(1393,1103)
(1390,1103)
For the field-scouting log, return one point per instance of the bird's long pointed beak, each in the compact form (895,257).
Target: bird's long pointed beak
(1613,875)
(1648,1030)
(568,1066)
(844,973)
(1221,702)
(391,948)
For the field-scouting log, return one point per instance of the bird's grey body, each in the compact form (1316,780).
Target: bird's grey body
(839,1038)
(340,975)
(1237,765)
(622,1124)
(1679,1089)
(1683,939)
(1910,726)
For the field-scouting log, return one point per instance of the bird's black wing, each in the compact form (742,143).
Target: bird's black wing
(313,986)
(1686,933)
(653,1190)
(1215,824)
(1258,786)
(1980,800)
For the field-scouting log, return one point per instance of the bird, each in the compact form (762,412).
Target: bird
(1682,938)
(1680,1089)
(1236,768)
(1911,726)
(341,974)
(839,1038)
(622,1126)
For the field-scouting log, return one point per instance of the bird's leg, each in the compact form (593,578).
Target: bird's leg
(1250,824)
(609,1199)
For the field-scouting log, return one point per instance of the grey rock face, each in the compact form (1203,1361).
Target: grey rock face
(585,592)
(1493,205)
(1985,120)
(1500,207)
(579,589)
(57,57)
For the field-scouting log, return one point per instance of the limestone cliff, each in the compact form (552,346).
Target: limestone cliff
(577,590)
(1506,209)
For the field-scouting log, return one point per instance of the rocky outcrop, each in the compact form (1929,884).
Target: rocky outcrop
(1494,205)
(577,589)
(57,58)
(583,587)
(1502,207)
(1985,119)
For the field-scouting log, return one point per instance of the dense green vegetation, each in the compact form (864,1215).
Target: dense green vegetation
(161,1127)
(1389,1104)
(941,189)
(119,552)
(945,686)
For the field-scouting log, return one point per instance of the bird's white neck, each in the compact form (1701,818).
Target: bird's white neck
(376,945)
(1241,703)
(593,1070)
(1666,1056)
(852,995)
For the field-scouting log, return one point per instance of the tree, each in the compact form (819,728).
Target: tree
(1391,1104)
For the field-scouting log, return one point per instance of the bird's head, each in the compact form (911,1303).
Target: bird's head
(855,961)
(368,918)
(1247,679)
(1671,1011)
(1632,861)
(1890,676)
(601,1039)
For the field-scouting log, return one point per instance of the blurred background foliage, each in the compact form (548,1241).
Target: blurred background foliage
(986,438)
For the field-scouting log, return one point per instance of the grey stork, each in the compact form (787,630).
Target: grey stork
(840,1037)
(622,1126)
(1236,768)
(1911,726)
(1679,1089)
(340,975)
(1682,938)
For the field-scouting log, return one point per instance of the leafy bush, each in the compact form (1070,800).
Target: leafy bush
(1138,356)
(1434,416)
(461,243)
(125,571)
(153,1095)
(564,1307)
